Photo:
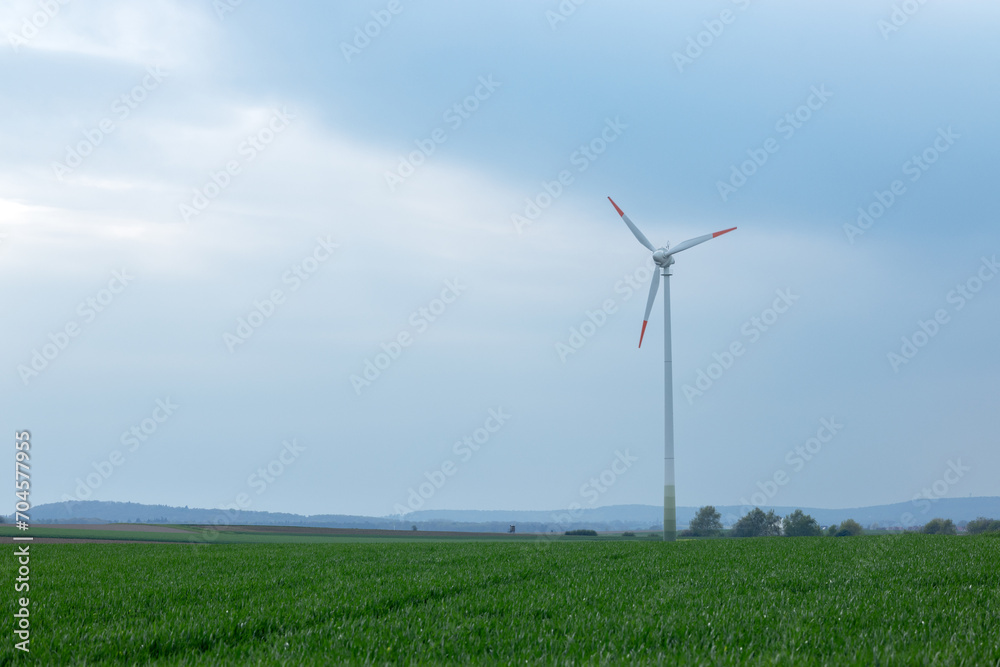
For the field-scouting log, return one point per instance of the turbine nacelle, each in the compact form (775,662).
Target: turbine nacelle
(663,258)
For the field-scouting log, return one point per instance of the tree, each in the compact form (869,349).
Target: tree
(800,524)
(983,525)
(832,530)
(758,524)
(849,528)
(939,527)
(706,523)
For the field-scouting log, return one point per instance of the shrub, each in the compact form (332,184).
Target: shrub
(849,528)
(758,524)
(706,523)
(628,533)
(800,524)
(983,525)
(583,531)
(939,527)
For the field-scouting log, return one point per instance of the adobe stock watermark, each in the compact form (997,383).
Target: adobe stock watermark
(87,310)
(259,481)
(264,309)
(596,486)
(957,298)
(938,489)
(705,39)
(132,439)
(924,500)
(32,26)
(581,159)
(464,449)
(752,331)
(913,169)
(899,17)
(454,116)
(562,13)
(420,321)
(363,35)
(223,8)
(796,459)
(247,151)
(590,492)
(787,126)
(594,321)
(121,108)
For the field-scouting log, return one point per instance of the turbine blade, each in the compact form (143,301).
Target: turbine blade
(695,241)
(653,286)
(635,230)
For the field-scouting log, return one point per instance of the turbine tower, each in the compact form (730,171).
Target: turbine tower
(664,259)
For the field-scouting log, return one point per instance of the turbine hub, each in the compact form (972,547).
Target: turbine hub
(662,259)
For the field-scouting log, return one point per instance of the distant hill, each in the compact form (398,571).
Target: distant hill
(644,514)
(95,511)
(609,518)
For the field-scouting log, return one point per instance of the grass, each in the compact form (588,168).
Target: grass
(242,535)
(912,599)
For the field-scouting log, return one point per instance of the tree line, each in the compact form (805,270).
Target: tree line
(756,523)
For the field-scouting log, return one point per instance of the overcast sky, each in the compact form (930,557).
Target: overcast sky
(368,245)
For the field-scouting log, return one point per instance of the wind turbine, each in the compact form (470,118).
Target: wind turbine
(664,259)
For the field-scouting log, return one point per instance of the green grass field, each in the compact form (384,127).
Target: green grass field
(200,535)
(910,599)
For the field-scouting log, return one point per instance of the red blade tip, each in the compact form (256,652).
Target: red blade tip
(644,323)
(616,206)
(724,231)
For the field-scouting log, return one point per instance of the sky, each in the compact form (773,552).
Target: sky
(358,258)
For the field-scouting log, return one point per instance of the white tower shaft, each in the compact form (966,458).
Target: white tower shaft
(669,490)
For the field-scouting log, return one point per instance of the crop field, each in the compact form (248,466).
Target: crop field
(911,599)
(206,535)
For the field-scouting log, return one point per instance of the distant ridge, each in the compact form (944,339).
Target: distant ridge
(608,518)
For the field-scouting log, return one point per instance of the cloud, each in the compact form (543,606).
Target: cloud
(160,31)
